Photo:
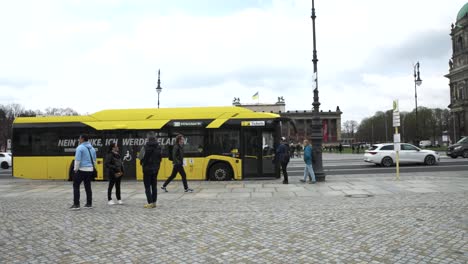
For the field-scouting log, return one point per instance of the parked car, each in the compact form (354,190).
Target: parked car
(425,143)
(458,149)
(5,160)
(385,155)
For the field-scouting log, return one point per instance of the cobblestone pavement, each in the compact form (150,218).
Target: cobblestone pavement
(419,219)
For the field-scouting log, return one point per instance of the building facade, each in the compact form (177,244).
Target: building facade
(331,121)
(458,76)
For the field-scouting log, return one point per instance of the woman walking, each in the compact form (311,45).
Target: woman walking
(115,170)
(308,170)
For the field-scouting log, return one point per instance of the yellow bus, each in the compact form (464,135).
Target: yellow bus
(222,143)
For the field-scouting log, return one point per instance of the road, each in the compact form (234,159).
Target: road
(341,164)
(346,164)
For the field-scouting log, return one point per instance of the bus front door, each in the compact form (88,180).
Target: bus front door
(257,154)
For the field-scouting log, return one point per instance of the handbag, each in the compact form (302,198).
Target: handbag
(94,175)
(118,174)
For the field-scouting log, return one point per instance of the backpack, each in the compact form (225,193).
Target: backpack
(169,152)
(151,156)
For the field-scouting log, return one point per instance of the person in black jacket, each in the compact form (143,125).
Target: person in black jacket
(282,156)
(150,162)
(113,164)
(178,164)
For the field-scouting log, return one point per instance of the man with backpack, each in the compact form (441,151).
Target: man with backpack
(178,164)
(150,159)
(283,155)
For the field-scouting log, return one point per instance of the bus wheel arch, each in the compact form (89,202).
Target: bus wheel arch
(220,171)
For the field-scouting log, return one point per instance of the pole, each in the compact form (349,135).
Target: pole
(416,103)
(316,131)
(397,159)
(386,129)
(159,89)
(417,81)
(454,129)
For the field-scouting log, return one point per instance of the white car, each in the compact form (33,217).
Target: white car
(385,155)
(425,143)
(5,160)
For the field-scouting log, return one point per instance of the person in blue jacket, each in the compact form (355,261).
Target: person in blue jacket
(85,160)
(308,170)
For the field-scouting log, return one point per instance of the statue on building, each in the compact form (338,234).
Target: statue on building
(280,100)
(450,64)
(236,101)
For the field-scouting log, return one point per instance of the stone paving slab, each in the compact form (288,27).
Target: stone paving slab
(306,193)
(234,195)
(262,195)
(354,192)
(331,193)
(377,192)
(422,190)
(270,190)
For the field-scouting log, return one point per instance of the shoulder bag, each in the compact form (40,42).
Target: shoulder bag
(94,175)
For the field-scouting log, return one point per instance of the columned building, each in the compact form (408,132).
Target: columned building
(331,121)
(458,76)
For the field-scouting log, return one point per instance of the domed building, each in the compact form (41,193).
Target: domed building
(458,76)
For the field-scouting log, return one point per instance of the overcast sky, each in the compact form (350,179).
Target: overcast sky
(104,54)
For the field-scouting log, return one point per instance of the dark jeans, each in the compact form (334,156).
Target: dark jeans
(149,179)
(113,180)
(178,168)
(82,176)
(284,166)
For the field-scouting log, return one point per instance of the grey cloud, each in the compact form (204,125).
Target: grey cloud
(431,48)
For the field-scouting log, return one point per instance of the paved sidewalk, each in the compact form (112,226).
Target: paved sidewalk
(419,219)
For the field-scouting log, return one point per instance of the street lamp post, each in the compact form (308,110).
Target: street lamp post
(417,82)
(316,122)
(159,89)
(386,129)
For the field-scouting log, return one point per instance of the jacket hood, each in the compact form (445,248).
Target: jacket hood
(152,144)
(87,144)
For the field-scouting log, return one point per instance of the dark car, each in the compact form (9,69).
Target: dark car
(459,149)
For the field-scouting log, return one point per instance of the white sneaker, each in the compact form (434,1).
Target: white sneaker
(111,202)
(120,201)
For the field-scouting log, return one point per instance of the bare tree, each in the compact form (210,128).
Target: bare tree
(8,113)
(350,127)
(60,111)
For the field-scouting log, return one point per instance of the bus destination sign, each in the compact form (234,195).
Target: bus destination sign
(253,123)
(188,123)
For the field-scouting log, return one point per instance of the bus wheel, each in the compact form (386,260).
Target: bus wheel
(220,172)
(5,165)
